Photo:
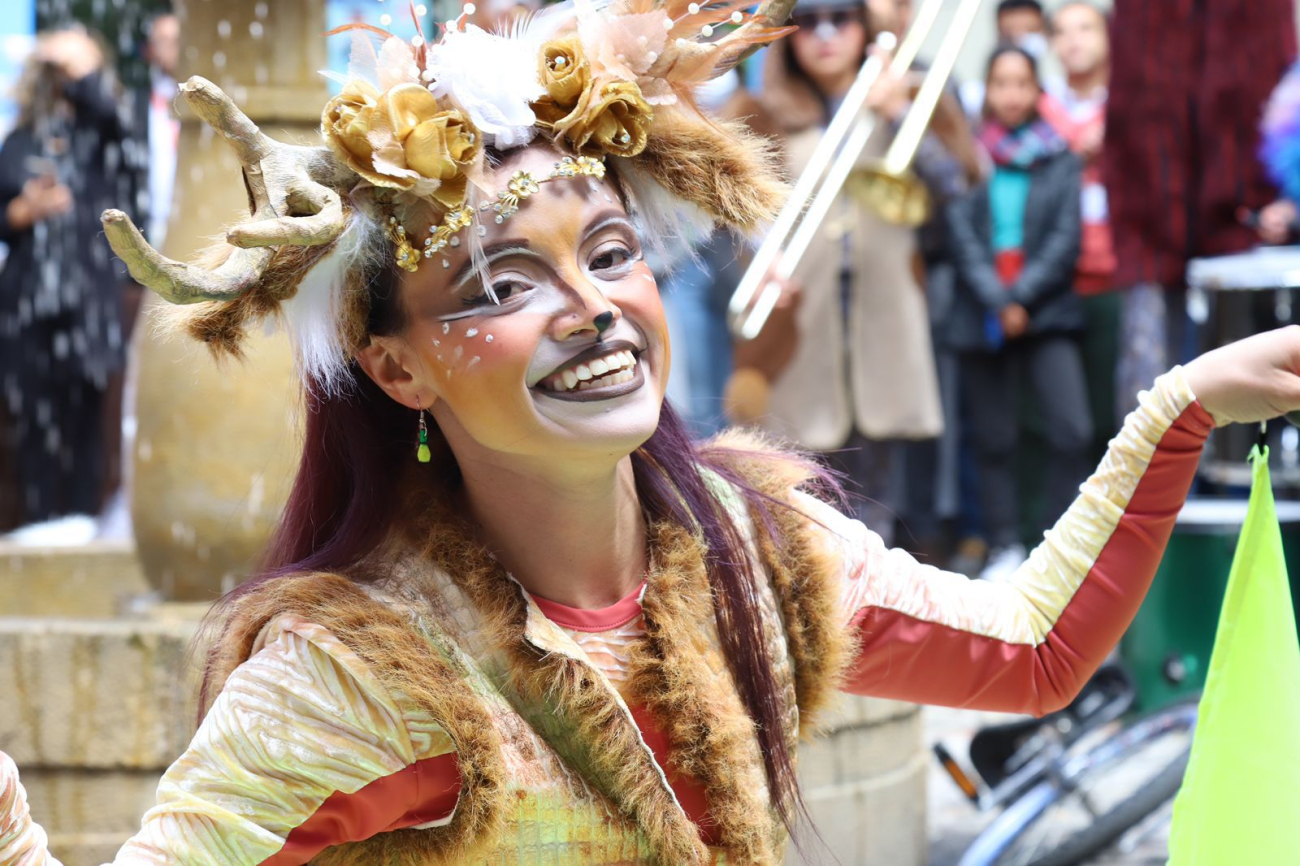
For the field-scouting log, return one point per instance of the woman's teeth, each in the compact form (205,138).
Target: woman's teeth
(612,369)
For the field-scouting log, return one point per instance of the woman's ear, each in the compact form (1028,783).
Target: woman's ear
(397,371)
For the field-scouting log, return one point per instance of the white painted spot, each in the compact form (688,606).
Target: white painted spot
(472,332)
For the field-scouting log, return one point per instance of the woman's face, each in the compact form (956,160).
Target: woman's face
(829,42)
(1012,92)
(528,376)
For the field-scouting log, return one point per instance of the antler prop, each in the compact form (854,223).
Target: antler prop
(293,200)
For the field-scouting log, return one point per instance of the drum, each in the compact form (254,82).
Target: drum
(1228,298)
(1168,646)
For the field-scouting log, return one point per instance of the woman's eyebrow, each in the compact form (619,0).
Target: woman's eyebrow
(517,246)
(607,217)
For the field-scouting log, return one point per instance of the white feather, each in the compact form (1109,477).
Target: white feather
(670,227)
(311,317)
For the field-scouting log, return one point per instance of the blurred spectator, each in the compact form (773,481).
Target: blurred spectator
(1188,83)
(1016,241)
(850,364)
(1076,108)
(60,323)
(1022,23)
(1280,153)
(150,159)
(157,123)
(935,501)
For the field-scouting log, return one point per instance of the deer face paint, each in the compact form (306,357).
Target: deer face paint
(527,375)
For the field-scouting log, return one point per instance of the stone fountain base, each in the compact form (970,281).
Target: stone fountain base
(93,707)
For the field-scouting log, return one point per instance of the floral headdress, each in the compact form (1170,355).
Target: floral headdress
(409,139)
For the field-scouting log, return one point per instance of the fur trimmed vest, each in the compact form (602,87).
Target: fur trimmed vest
(553,766)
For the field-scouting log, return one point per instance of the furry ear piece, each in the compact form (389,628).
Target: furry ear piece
(717,165)
(221,325)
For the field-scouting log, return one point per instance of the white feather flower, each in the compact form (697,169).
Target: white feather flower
(492,78)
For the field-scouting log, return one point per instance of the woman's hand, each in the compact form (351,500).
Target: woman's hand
(1250,380)
(1274,221)
(890,95)
(72,52)
(1014,320)
(41,198)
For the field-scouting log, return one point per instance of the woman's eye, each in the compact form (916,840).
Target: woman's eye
(610,258)
(504,291)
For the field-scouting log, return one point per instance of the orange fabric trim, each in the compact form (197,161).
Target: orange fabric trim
(617,615)
(422,792)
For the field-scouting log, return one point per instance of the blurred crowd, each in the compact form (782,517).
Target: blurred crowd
(966,374)
(82,143)
(962,374)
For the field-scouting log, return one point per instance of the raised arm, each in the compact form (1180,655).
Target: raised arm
(1027,644)
(303,749)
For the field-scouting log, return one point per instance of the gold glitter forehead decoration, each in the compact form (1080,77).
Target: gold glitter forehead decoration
(521,185)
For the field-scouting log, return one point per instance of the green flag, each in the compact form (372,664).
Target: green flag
(1240,799)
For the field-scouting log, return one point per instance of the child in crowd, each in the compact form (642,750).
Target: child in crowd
(1015,243)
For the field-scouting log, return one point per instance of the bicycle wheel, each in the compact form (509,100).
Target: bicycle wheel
(1092,797)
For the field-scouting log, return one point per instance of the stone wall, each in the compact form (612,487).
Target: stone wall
(93,707)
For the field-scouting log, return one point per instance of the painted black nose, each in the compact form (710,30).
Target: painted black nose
(603,321)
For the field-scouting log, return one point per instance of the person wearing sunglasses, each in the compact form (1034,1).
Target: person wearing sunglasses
(860,307)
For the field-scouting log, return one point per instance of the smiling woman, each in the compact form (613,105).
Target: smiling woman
(513,613)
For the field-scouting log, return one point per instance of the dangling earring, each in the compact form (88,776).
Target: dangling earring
(422,453)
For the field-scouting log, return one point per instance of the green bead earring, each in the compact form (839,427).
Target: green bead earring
(422,453)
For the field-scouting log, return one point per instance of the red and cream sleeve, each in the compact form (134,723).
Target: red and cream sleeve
(303,749)
(1029,643)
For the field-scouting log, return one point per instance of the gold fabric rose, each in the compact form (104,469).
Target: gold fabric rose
(397,138)
(565,72)
(437,143)
(346,123)
(614,121)
(596,117)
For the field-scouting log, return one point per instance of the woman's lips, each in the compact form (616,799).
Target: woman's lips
(609,368)
(593,392)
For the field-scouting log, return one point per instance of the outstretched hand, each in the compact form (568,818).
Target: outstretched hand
(1251,380)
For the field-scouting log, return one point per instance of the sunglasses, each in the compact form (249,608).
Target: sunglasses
(837,18)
